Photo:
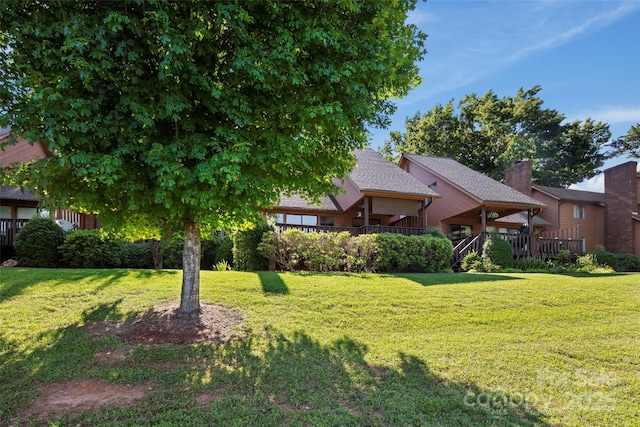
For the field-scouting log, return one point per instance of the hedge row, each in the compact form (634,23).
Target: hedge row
(42,243)
(296,250)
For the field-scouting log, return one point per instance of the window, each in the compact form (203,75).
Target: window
(5,211)
(25,213)
(434,186)
(327,221)
(578,211)
(460,231)
(295,219)
(279,218)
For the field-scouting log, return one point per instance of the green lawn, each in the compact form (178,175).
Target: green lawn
(337,349)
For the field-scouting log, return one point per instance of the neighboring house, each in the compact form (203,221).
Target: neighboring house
(608,219)
(377,197)
(471,203)
(18,206)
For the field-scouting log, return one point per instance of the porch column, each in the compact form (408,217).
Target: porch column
(530,221)
(483,219)
(366,210)
(423,209)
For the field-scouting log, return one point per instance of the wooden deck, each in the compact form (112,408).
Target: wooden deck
(8,230)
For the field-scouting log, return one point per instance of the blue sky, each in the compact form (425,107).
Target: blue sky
(585,55)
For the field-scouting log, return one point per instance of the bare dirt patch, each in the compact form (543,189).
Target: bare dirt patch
(60,399)
(161,325)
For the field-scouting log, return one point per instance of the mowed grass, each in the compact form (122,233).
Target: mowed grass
(336,349)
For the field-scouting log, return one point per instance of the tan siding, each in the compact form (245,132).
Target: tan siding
(592,225)
(550,214)
(351,195)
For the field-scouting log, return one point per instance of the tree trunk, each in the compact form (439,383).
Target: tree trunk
(156,254)
(190,298)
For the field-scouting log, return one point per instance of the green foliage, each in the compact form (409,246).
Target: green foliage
(136,255)
(246,255)
(213,250)
(589,264)
(385,252)
(91,249)
(37,243)
(531,264)
(498,251)
(222,266)
(628,144)
(224,251)
(605,258)
(435,232)
(489,134)
(163,112)
(628,262)
(471,261)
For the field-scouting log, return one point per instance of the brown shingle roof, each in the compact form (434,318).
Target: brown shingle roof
(575,195)
(478,185)
(8,192)
(375,173)
(297,202)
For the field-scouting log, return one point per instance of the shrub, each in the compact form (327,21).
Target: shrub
(498,251)
(435,232)
(91,249)
(589,264)
(285,250)
(361,252)
(530,264)
(246,255)
(172,251)
(224,251)
(37,243)
(604,257)
(471,261)
(628,262)
(136,255)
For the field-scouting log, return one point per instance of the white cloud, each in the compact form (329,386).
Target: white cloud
(594,184)
(613,115)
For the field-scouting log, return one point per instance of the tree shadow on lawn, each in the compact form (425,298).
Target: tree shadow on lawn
(259,378)
(15,281)
(272,283)
(431,279)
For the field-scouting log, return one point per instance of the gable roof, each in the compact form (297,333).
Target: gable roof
(8,192)
(327,203)
(479,186)
(374,173)
(574,195)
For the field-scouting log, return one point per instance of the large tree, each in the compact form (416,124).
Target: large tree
(193,115)
(628,144)
(489,134)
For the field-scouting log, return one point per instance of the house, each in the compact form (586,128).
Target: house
(471,203)
(608,219)
(377,197)
(17,205)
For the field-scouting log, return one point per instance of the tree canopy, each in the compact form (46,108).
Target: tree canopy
(184,114)
(628,144)
(489,134)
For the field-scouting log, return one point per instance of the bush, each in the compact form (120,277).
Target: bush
(498,251)
(471,261)
(604,257)
(136,255)
(224,251)
(530,264)
(628,262)
(589,264)
(213,250)
(91,249)
(37,243)
(246,255)
(295,249)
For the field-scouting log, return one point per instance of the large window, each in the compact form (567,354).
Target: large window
(578,211)
(327,221)
(25,213)
(295,219)
(5,211)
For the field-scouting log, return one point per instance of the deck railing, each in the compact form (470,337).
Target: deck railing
(8,230)
(354,231)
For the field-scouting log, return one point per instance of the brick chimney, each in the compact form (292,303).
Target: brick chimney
(621,199)
(518,177)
